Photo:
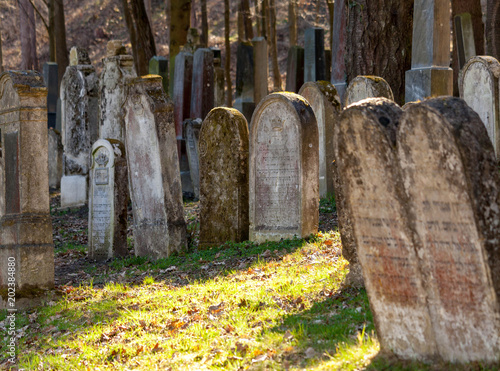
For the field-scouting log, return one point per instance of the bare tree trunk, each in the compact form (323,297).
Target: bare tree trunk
(247,19)
(330,4)
(257,18)
(149,11)
(204,24)
(29,60)
(264,8)
(52,35)
(1,55)
(227,64)
(194,19)
(61,49)
(239,24)
(493,28)
(273,41)
(179,14)
(292,21)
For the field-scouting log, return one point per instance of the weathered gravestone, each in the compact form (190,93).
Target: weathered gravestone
(314,54)
(108,200)
(464,35)
(284,169)
(55,157)
(245,73)
(202,87)
(261,70)
(219,82)
(363,87)
(25,226)
(479,87)
(50,76)
(338,75)
(117,67)
(223,178)
(295,69)
(158,65)
(153,167)
(191,132)
(79,110)
(325,102)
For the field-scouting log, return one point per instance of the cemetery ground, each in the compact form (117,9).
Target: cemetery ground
(277,305)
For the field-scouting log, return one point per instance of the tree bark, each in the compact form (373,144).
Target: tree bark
(61,49)
(239,24)
(492,28)
(227,64)
(52,35)
(273,40)
(180,11)
(292,21)
(258,22)
(247,19)
(379,38)
(1,54)
(29,60)
(204,24)
(331,12)
(264,8)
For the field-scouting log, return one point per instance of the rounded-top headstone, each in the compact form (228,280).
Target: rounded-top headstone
(363,87)
(114,48)
(78,56)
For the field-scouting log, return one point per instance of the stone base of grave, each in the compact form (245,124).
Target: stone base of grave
(355,276)
(152,239)
(428,82)
(73,191)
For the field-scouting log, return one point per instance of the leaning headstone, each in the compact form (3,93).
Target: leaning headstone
(261,68)
(339,77)
(363,87)
(295,69)
(50,76)
(202,87)
(219,82)
(314,54)
(55,156)
(26,245)
(117,67)
(223,178)
(464,35)
(244,75)
(153,167)
(430,74)
(108,200)
(79,110)
(284,174)
(479,87)
(158,65)
(191,132)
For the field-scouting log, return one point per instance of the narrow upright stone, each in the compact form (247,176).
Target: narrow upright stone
(314,54)
(50,76)
(191,133)
(295,69)
(55,153)
(158,65)
(284,189)
(202,88)
(363,87)
(245,73)
(219,95)
(464,35)
(261,68)
(182,90)
(339,77)
(223,178)
(25,226)
(153,165)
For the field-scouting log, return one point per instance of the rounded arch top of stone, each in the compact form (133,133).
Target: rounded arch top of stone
(362,87)
(103,161)
(223,113)
(326,88)
(490,63)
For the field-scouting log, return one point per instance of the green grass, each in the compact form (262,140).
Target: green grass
(327,204)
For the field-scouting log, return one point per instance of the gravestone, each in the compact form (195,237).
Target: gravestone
(328,64)
(479,87)
(50,76)
(261,69)
(219,96)
(25,223)
(314,54)
(339,77)
(325,102)
(153,167)
(223,178)
(295,69)
(464,35)
(284,174)
(202,87)
(158,65)
(79,110)
(117,67)
(108,200)
(55,157)
(191,133)
(430,74)
(245,73)
(363,87)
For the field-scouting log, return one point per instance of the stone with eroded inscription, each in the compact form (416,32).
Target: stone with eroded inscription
(363,87)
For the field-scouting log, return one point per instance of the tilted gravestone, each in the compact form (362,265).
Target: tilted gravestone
(25,225)
(362,87)
(295,69)
(314,54)
(245,73)
(202,87)
(479,87)
(284,169)
(153,167)
(117,67)
(55,153)
(108,200)
(158,65)
(191,132)
(79,110)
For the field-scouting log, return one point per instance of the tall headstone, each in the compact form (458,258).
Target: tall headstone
(108,200)
(295,69)
(363,87)
(153,167)
(219,82)
(191,133)
(50,76)
(223,178)
(79,110)
(325,102)
(202,87)
(339,77)
(117,67)
(284,169)
(245,73)
(430,74)
(479,87)
(464,34)
(314,54)
(25,225)
(261,68)
(158,65)
(55,156)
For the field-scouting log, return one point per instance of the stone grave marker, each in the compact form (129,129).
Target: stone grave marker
(55,156)
(153,167)
(202,87)
(108,200)
(314,54)
(50,76)
(223,178)
(191,133)
(245,73)
(25,223)
(363,87)
(158,65)
(284,169)
(479,87)
(338,75)
(219,95)
(464,35)
(261,71)
(117,67)
(295,69)
(79,110)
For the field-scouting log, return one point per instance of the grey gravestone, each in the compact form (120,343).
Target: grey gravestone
(108,200)
(219,96)
(202,87)
(245,73)
(261,68)
(479,87)
(314,54)
(158,65)
(464,34)
(79,110)
(55,155)
(153,167)
(50,76)
(191,132)
(363,87)
(338,73)
(284,174)
(223,178)
(295,69)
(25,223)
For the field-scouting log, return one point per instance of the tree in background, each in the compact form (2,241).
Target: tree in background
(204,24)
(59,31)
(492,28)
(273,45)
(227,65)
(292,21)
(27,29)
(245,28)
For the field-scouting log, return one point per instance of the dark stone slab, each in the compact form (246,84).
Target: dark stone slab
(295,69)
(314,54)
(202,87)
(12,190)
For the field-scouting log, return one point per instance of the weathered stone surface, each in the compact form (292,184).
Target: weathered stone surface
(55,157)
(191,133)
(325,102)
(295,69)
(153,167)
(223,178)
(79,110)
(158,65)
(78,56)
(51,82)
(363,87)
(245,73)
(464,35)
(261,68)
(108,200)
(202,87)
(479,87)
(339,77)
(25,224)
(314,54)
(182,90)
(284,171)
(117,67)
(219,81)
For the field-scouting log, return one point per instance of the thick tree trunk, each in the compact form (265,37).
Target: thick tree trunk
(492,28)
(273,41)
(264,8)
(29,60)
(227,64)
(258,22)
(61,49)
(180,11)
(379,38)
(204,24)
(292,21)
(239,24)
(247,19)
(330,4)
(52,35)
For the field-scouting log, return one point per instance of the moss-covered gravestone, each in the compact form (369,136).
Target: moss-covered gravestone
(363,87)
